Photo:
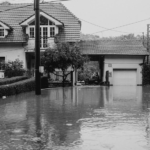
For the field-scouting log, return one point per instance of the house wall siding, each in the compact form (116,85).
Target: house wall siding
(12,52)
(123,62)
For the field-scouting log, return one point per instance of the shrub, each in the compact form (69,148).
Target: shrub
(21,86)
(18,87)
(82,76)
(13,68)
(12,80)
(87,71)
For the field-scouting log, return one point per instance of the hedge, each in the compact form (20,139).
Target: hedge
(12,80)
(21,86)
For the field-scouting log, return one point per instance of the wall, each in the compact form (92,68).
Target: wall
(123,62)
(12,52)
(31,44)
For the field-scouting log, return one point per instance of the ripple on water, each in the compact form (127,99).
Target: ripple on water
(95,118)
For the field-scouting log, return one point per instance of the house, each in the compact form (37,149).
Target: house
(121,60)
(17,30)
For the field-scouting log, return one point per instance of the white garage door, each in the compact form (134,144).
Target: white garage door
(124,77)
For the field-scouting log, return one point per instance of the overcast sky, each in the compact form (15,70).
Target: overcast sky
(108,14)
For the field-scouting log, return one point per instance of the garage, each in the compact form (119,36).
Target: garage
(125,77)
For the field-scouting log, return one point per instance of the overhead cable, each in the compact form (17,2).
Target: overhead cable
(122,26)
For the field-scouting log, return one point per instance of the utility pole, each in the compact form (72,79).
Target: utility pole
(143,37)
(148,31)
(37,48)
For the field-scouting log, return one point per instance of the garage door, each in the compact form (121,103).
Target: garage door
(124,77)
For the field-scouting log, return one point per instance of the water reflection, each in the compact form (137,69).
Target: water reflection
(79,118)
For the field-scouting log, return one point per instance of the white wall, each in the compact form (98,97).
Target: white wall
(123,62)
(31,44)
(12,52)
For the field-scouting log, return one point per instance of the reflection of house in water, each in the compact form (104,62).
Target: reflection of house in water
(124,95)
(59,115)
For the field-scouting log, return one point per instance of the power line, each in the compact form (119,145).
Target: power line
(122,26)
(16,8)
(106,28)
(30,5)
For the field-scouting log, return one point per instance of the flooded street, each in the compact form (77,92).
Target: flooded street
(79,118)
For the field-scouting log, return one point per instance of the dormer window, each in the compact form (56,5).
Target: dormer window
(47,30)
(49,27)
(3,30)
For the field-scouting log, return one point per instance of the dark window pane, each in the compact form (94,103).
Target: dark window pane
(51,23)
(32,23)
(43,20)
(52,31)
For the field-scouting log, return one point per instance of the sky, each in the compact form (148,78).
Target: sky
(99,15)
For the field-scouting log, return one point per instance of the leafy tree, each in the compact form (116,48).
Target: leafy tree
(63,56)
(89,37)
(131,36)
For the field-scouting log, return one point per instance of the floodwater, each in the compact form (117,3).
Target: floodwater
(79,118)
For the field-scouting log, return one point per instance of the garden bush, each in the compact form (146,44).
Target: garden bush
(13,68)
(12,80)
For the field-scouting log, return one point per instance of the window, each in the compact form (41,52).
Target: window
(43,20)
(32,23)
(44,37)
(2,60)
(32,33)
(1,32)
(52,31)
(47,30)
(51,23)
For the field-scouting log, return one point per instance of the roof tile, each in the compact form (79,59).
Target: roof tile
(13,17)
(106,47)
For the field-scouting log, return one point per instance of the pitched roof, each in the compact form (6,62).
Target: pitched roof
(113,47)
(29,19)
(14,14)
(6,26)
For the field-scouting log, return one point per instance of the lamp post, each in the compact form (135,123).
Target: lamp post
(37,48)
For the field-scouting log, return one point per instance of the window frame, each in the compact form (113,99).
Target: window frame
(32,26)
(2,28)
(49,35)
(42,26)
(52,36)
